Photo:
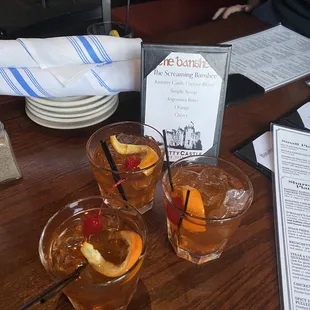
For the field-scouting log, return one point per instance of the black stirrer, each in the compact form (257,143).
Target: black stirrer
(54,289)
(168,161)
(127,17)
(113,167)
(185,207)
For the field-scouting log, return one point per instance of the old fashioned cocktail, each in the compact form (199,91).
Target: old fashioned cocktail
(137,150)
(110,241)
(219,194)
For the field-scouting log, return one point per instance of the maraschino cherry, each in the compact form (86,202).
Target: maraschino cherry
(132,163)
(92,224)
(173,213)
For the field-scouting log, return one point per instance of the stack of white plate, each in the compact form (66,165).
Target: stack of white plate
(70,112)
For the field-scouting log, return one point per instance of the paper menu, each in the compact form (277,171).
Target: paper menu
(292,216)
(184,91)
(271,58)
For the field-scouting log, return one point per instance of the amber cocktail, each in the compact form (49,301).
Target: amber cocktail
(137,150)
(111,240)
(219,195)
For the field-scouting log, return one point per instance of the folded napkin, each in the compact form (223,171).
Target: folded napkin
(69,66)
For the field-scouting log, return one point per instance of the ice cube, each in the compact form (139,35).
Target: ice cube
(212,198)
(184,177)
(213,176)
(129,139)
(111,222)
(66,249)
(235,201)
(140,182)
(219,213)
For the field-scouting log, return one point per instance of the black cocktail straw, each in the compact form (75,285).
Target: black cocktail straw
(168,162)
(185,207)
(127,17)
(113,167)
(54,289)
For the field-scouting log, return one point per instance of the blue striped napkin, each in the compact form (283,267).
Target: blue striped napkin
(69,66)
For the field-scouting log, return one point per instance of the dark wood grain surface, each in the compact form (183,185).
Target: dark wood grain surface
(56,171)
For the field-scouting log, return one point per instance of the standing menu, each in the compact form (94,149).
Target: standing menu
(183,93)
(292,206)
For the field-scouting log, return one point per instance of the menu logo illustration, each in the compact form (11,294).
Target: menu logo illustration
(186,138)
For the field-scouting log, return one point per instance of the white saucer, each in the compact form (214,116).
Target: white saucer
(68,99)
(73,109)
(81,124)
(66,114)
(73,118)
(65,102)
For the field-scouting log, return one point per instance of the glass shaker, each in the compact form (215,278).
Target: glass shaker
(9,169)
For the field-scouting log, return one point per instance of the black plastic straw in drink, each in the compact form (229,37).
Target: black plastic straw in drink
(113,167)
(168,162)
(127,17)
(185,207)
(54,289)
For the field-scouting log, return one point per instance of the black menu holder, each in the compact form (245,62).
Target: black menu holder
(299,118)
(246,151)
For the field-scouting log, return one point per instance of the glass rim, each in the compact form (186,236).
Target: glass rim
(126,172)
(207,219)
(113,280)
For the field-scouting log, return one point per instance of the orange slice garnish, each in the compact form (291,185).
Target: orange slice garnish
(107,268)
(195,207)
(149,159)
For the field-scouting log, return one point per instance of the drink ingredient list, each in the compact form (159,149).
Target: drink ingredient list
(182,97)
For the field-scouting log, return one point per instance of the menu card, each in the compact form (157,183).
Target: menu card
(292,214)
(271,58)
(183,92)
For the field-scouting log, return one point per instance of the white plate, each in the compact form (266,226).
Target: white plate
(105,109)
(73,110)
(65,114)
(75,103)
(57,125)
(68,99)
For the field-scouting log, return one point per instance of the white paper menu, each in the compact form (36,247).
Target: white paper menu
(271,58)
(292,206)
(183,98)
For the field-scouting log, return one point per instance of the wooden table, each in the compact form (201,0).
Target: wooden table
(56,171)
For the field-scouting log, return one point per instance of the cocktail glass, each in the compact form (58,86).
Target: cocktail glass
(106,228)
(220,194)
(138,183)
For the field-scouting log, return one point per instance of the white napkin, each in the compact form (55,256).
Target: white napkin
(102,80)
(60,66)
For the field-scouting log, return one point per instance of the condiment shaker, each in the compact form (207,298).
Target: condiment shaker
(9,169)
